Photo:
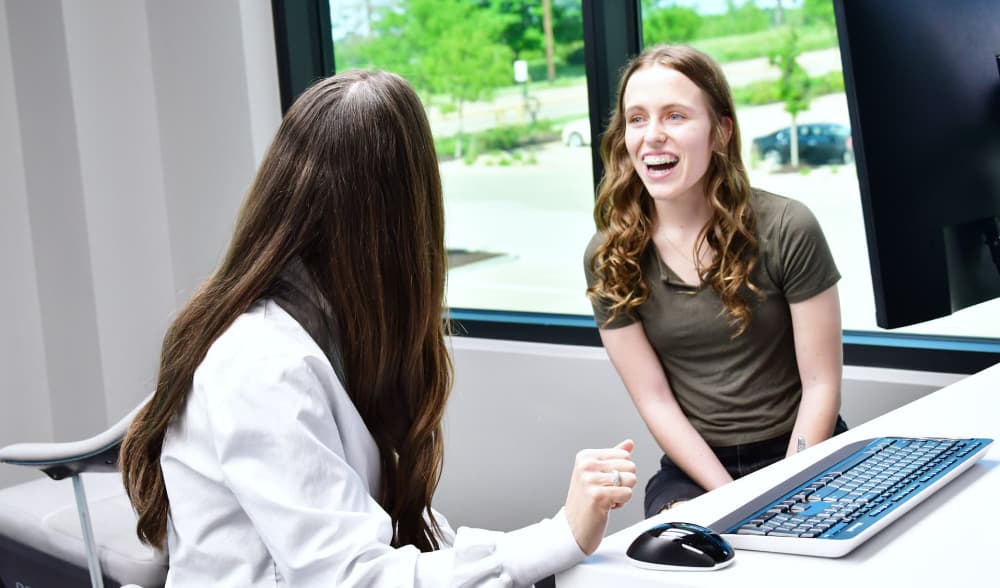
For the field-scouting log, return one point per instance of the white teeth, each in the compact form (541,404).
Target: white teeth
(659,159)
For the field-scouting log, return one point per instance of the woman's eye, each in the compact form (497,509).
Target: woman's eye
(675,116)
(635,120)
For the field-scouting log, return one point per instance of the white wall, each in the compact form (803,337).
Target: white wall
(129,132)
(24,399)
(520,412)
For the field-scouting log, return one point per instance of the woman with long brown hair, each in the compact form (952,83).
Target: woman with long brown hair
(716,302)
(294,437)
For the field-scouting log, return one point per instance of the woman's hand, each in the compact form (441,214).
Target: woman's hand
(602,480)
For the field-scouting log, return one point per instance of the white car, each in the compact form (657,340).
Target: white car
(576,133)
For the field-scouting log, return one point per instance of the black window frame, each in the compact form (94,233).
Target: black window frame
(303,44)
(612,33)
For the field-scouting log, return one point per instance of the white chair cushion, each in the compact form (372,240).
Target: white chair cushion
(42,514)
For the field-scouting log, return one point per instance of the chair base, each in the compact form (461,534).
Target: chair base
(22,566)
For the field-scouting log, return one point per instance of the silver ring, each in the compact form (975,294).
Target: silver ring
(616,477)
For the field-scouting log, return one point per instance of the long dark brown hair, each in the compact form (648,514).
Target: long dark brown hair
(623,210)
(350,185)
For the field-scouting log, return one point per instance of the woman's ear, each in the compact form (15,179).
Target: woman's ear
(723,134)
(727,130)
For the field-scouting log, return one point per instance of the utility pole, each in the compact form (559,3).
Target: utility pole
(547,26)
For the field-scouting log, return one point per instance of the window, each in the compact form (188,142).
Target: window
(508,99)
(505,89)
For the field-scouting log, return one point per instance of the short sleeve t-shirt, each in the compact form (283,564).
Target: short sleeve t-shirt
(744,389)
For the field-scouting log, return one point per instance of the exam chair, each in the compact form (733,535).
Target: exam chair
(55,534)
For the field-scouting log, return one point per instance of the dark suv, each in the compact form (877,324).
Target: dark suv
(819,143)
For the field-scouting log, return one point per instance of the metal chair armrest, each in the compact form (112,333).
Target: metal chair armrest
(61,460)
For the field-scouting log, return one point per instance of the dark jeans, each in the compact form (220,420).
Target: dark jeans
(671,484)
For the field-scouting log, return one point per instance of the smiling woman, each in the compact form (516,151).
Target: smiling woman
(668,134)
(717,303)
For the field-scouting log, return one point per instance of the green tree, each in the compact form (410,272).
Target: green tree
(794,86)
(740,19)
(668,23)
(525,30)
(445,48)
(818,12)
(567,21)
(748,17)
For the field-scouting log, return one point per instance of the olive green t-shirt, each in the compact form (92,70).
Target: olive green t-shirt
(747,389)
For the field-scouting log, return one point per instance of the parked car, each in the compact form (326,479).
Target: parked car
(819,143)
(576,133)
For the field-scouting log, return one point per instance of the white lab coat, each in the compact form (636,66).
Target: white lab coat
(270,472)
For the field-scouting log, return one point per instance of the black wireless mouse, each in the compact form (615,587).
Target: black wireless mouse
(680,546)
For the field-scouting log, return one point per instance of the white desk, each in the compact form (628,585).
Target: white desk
(950,539)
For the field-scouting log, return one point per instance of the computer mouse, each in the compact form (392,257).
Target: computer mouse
(680,546)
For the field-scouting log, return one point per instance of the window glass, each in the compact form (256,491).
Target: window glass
(510,118)
(506,93)
(749,38)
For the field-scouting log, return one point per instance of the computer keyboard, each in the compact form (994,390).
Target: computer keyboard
(838,503)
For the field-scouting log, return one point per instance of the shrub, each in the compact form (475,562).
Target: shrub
(764,43)
(766,92)
(502,138)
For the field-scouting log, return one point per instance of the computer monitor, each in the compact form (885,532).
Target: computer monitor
(922,80)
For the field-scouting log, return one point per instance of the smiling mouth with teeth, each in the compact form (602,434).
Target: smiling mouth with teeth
(660,163)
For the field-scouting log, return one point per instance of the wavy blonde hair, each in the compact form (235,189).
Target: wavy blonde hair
(350,185)
(624,211)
